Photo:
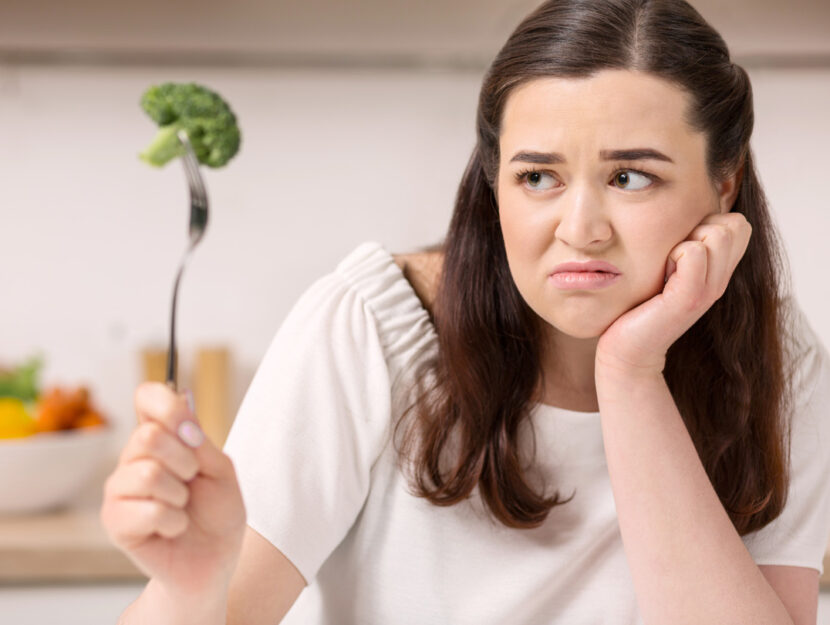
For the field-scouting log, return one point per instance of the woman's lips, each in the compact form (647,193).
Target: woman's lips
(588,275)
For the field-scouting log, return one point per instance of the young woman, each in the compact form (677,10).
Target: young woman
(595,402)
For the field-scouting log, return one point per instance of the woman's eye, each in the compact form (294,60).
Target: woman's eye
(534,179)
(628,179)
(632,180)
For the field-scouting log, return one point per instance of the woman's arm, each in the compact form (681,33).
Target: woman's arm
(264,586)
(155,605)
(688,563)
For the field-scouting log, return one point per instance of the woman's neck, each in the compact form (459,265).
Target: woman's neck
(568,367)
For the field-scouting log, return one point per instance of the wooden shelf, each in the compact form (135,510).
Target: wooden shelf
(69,545)
(434,32)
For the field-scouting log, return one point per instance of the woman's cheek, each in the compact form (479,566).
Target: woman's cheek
(659,228)
(649,273)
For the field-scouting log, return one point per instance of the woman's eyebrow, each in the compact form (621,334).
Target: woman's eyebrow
(552,158)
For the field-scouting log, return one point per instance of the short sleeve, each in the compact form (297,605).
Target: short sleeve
(316,415)
(799,536)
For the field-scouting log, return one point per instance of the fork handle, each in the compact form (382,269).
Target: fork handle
(171,349)
(171,370)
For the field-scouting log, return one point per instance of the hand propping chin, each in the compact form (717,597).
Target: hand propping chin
(699,271)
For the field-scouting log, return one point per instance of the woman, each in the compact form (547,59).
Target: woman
(587,420)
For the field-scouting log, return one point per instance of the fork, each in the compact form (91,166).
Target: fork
(198,223)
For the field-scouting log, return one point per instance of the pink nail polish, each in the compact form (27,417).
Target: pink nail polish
(191,433)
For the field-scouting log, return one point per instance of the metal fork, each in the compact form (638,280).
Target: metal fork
(198,223)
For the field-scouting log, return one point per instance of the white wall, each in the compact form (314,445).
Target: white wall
(791,138)
(92,236)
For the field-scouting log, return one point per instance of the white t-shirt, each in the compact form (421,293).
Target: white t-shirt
(313,452)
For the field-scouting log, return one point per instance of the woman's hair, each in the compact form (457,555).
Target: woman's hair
(726,374)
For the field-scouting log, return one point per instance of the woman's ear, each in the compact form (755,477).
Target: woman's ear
(728,190)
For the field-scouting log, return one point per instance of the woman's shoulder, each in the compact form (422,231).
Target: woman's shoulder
(389,292)
(422,269)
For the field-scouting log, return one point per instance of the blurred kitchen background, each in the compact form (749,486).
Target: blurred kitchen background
(357,121)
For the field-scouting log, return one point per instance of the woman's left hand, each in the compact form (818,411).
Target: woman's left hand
(698,270)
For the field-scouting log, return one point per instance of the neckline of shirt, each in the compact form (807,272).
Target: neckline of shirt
(564,412)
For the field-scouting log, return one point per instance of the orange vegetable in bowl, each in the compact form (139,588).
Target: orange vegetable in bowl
(60,409)
(89,419)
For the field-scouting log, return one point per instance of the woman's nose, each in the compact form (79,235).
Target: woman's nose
(583,219)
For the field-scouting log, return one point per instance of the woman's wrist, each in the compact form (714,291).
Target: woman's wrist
(618,384)
(609,369)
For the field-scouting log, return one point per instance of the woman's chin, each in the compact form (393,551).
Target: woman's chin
(581,328)
(582,331)
(582,322)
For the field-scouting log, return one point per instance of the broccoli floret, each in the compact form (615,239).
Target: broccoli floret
(208,120)
(22,381)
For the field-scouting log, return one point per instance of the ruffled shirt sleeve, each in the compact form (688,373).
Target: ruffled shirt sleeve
(316,416)
(799,536)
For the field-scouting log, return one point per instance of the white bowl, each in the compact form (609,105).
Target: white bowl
(48,470)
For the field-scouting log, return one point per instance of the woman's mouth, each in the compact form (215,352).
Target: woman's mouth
(585,275)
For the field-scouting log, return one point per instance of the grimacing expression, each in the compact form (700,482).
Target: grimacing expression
(587,203)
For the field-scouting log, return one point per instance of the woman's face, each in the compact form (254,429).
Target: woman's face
(587,203)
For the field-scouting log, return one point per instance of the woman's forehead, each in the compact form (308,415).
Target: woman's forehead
(610,107)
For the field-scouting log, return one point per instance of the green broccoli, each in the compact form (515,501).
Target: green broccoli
(208,120)
(22,381)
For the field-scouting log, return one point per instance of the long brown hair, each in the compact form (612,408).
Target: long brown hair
(488,363)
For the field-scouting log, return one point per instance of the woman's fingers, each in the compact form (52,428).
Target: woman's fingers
(142,496)
(152,441)
(157,403)
(138,519)
(172,482)
(722,239)
(724,245)
(147,479)
(687,286)
(729,232)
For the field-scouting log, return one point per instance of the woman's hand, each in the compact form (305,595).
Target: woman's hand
(173,504)
(698,271)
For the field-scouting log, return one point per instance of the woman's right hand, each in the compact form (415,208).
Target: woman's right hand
(172,505)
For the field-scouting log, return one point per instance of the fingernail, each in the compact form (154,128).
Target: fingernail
(191,404)
(191,433)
